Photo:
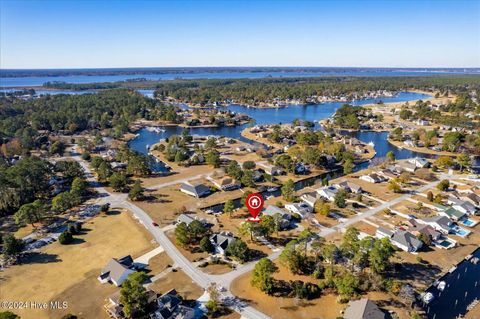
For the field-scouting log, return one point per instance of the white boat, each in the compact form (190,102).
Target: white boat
(441,285)
(371,144)
(272,189)
(428,297)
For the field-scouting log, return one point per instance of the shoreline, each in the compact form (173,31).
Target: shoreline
(422,150)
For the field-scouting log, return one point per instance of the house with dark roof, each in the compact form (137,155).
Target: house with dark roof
(197,191)
(350,187)
(220,242)
(170,307)
(117,270)
(453,214)
(363,309)
(372,178)
(440,223)
(402,239)
(427,230)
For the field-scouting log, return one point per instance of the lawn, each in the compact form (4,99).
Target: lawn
(68,273)
(179,281)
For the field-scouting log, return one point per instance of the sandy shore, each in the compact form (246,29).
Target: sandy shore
(423,150)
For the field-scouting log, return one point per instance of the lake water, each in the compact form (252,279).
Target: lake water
(39,80)
(287,115)
(462,287)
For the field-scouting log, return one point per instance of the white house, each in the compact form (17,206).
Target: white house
(440,223)
(419,162)
(117,270)
(299,208)
(327,192)
(310,198)
(372,178)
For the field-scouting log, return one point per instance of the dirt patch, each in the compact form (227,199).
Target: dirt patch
(179,281)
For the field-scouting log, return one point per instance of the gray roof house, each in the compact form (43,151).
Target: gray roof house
(440,223)
(170,307)
(363,309)
(350,187)
(406,241)
(452,213)
(310,198)
(117,270)
(188,218)
(221,241)
(197,191)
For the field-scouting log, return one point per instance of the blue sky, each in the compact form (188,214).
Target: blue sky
(75,34)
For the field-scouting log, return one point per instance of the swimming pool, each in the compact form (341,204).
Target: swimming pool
(460,231)
(468,222)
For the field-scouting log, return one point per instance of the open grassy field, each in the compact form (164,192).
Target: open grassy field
(69,272)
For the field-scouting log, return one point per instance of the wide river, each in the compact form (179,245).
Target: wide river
(287,115)
(27,81)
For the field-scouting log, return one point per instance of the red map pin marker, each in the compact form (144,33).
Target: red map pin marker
(254,203)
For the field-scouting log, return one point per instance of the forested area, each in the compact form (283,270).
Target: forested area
(251,91)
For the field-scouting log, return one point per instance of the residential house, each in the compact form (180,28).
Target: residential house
(301,209)
(406,241)
(372,178)
(452,214)
(188,219)
(117,270)
(408,167)
(350,187)
(363,309)
(461,205)
(328,192)
(402,239)
(115,309)
(387,174)
(440,223)
(170,307)
(197,191)
(472,198)
(310,198)
(220,241)
(422,122)
(226,183)
(286,218)
(273,170)
(427,230)
(419,162)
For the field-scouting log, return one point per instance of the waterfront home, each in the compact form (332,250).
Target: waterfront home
(419,162)
(372,178)
(226,183)
(417,229)
(452,214)
(440,223)
(408,167)
(117,270)
(301,209)
(350,187)
(221,241)
(197,191)
(272,170)
(310,198)
(402,239)
(327,192)
(472,198)
(387,174)
(461,205)
(285,220)
(188,219)
(363,309)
